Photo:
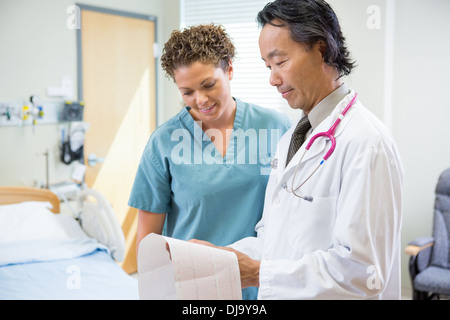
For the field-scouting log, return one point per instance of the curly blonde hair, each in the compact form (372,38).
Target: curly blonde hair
(208,44)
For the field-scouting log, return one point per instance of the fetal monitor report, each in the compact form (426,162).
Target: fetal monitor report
(189,272)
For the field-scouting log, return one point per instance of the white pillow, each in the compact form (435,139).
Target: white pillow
(29,221)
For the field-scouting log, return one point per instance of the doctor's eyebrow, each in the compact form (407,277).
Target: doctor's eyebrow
(274,53)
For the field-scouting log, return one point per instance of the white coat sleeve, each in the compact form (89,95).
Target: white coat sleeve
(252,246)
(365,247)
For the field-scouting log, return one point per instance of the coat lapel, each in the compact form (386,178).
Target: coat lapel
(319,147)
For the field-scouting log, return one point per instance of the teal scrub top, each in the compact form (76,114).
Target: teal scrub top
(207,196)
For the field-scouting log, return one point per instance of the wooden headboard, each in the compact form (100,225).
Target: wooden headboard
(10,195)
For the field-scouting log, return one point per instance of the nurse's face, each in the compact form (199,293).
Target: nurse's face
(206,89)
(296,70)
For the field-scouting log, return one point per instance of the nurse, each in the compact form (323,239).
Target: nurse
(203,173)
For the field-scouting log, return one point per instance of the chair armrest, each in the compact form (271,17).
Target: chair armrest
(420,254)
(417,245)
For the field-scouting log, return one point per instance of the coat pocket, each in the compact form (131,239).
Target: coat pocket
(311,224)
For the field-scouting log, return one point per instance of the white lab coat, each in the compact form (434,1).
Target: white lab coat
(346,243)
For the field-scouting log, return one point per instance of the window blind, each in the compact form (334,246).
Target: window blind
(251,77)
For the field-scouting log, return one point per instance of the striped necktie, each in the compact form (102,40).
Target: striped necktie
(298,137)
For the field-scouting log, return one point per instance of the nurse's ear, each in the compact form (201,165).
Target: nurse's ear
(230,70)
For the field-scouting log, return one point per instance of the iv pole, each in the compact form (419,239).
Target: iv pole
(47,185)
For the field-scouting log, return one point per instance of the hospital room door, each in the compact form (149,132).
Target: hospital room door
(118,89)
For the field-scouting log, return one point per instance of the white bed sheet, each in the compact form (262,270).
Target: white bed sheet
(69,269)
(47,256)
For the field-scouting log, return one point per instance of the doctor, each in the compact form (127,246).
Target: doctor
(337,236)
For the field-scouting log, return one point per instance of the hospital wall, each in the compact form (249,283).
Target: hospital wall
(421,108)
(37,50)
(401,76)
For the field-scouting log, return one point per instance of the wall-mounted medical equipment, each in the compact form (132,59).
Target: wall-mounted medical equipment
(93,160)
(73,111)
(72,148)
(34,110)
(24,113)
(10,113)
(6,113)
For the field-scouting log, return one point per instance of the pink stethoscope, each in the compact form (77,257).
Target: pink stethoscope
(328,134)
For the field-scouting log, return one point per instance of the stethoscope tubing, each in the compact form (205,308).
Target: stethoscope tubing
(327,134)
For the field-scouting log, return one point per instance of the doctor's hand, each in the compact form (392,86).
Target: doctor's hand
(248,268)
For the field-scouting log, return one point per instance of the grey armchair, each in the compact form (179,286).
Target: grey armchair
(429,264)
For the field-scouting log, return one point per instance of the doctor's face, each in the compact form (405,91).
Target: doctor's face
(297,71)
(206,89)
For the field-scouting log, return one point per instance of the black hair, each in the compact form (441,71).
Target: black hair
(310,21)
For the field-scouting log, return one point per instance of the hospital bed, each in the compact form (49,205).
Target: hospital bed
(45,254)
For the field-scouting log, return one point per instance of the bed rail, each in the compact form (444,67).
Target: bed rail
(10,195)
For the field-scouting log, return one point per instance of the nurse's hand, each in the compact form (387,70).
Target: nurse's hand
(248,268)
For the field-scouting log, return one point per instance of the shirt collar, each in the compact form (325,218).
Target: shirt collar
(324,108)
